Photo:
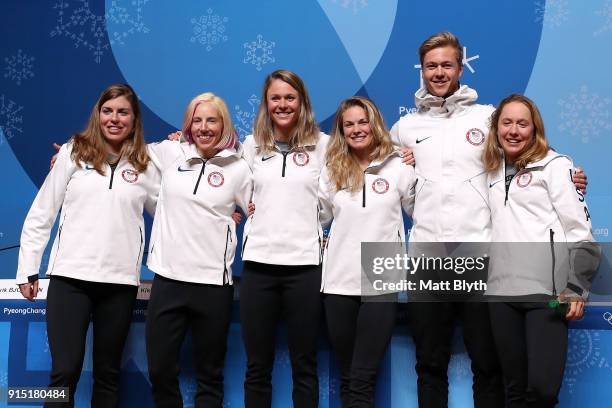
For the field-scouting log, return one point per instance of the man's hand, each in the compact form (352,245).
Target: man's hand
(29,290)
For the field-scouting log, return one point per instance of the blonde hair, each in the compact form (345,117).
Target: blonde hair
(441,39)
(306,130)
(343,168)
(493,153)
(229,138)
(89,146)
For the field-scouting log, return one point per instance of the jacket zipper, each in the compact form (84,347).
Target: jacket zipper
(284,162)
(140,248)
(228,238)
(552,252)
(195,190)
(506,186)
(363,203)
(113,168)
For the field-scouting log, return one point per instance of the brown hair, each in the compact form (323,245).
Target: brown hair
(89,146)
(306,129)
(344,170)
(537,149)
(441,39)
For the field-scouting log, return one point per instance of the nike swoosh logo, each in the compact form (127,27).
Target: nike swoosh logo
(492,184)
(181,169)
(420,140)
(267,158)
(88,167)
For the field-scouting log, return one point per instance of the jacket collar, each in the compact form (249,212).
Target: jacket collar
(191,152)
(438,106)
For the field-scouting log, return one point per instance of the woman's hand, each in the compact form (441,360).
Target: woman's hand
(237,217)
(251,209)
(175,136)
(29,290)
(575,311)
(407,156)
(54,157)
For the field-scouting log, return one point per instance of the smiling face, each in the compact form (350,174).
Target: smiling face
(441,71)
(116,122)
(515,130)
(357,131)
(206,128)
(283,103)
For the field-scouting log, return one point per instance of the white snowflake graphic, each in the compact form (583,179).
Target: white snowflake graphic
(76,21)
(584,114)
(606,13)
(188,388)
(583,353)
(327,386)
(130,18)
(244,118)
(465,61)
(283,358)
(355,5)
(11,120)
(551,13)
(19,67)
(209,29)
(259,52)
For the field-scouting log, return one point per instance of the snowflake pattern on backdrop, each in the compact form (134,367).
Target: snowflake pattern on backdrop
(3,379)
(584,114)
(130,17)
(19,67)
(188,388)
(606,13)
(209,29)
(355,5)
(259,53)
(328,385)
(84,27)
(11,120)
(583,353)
(243,119)
(551,13)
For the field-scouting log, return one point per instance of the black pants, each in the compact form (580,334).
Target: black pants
(266,293)
(71,304)
(532,343)
(359,333)
(174,307)
(432,325)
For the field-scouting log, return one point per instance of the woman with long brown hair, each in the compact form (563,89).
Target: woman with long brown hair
(102,180)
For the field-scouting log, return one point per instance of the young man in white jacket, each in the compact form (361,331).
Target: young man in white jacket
(447,136)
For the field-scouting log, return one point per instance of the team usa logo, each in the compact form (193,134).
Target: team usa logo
(524,179)
(216,179)
(475,136)
(301,158)
(130,175)
(380,186)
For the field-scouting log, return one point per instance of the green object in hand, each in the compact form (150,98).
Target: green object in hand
(560,307)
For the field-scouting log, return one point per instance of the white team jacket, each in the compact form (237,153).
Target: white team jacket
(101,230)
(372,215)
(193,238)
(545,221)
(285,228)
(447,138)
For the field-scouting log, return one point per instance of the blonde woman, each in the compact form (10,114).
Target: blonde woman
(282,241)
(102,180)
(364,187)
(192,250)
(534,200)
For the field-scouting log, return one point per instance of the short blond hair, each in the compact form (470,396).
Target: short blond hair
(441,39)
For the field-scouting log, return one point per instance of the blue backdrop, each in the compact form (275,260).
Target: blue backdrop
(57,56)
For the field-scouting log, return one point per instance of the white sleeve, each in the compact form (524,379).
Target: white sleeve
(249,150)
(406,187)
(41,217)
(163,153)
(570,206)
(395,135)
(152,188)
(325,199)
(244,189)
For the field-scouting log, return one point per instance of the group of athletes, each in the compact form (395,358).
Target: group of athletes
(480,174)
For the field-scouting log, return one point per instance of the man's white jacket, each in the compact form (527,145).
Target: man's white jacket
(285,228)
(447,137)
(193,238)
(542,231)
(100,237)
(373,214)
